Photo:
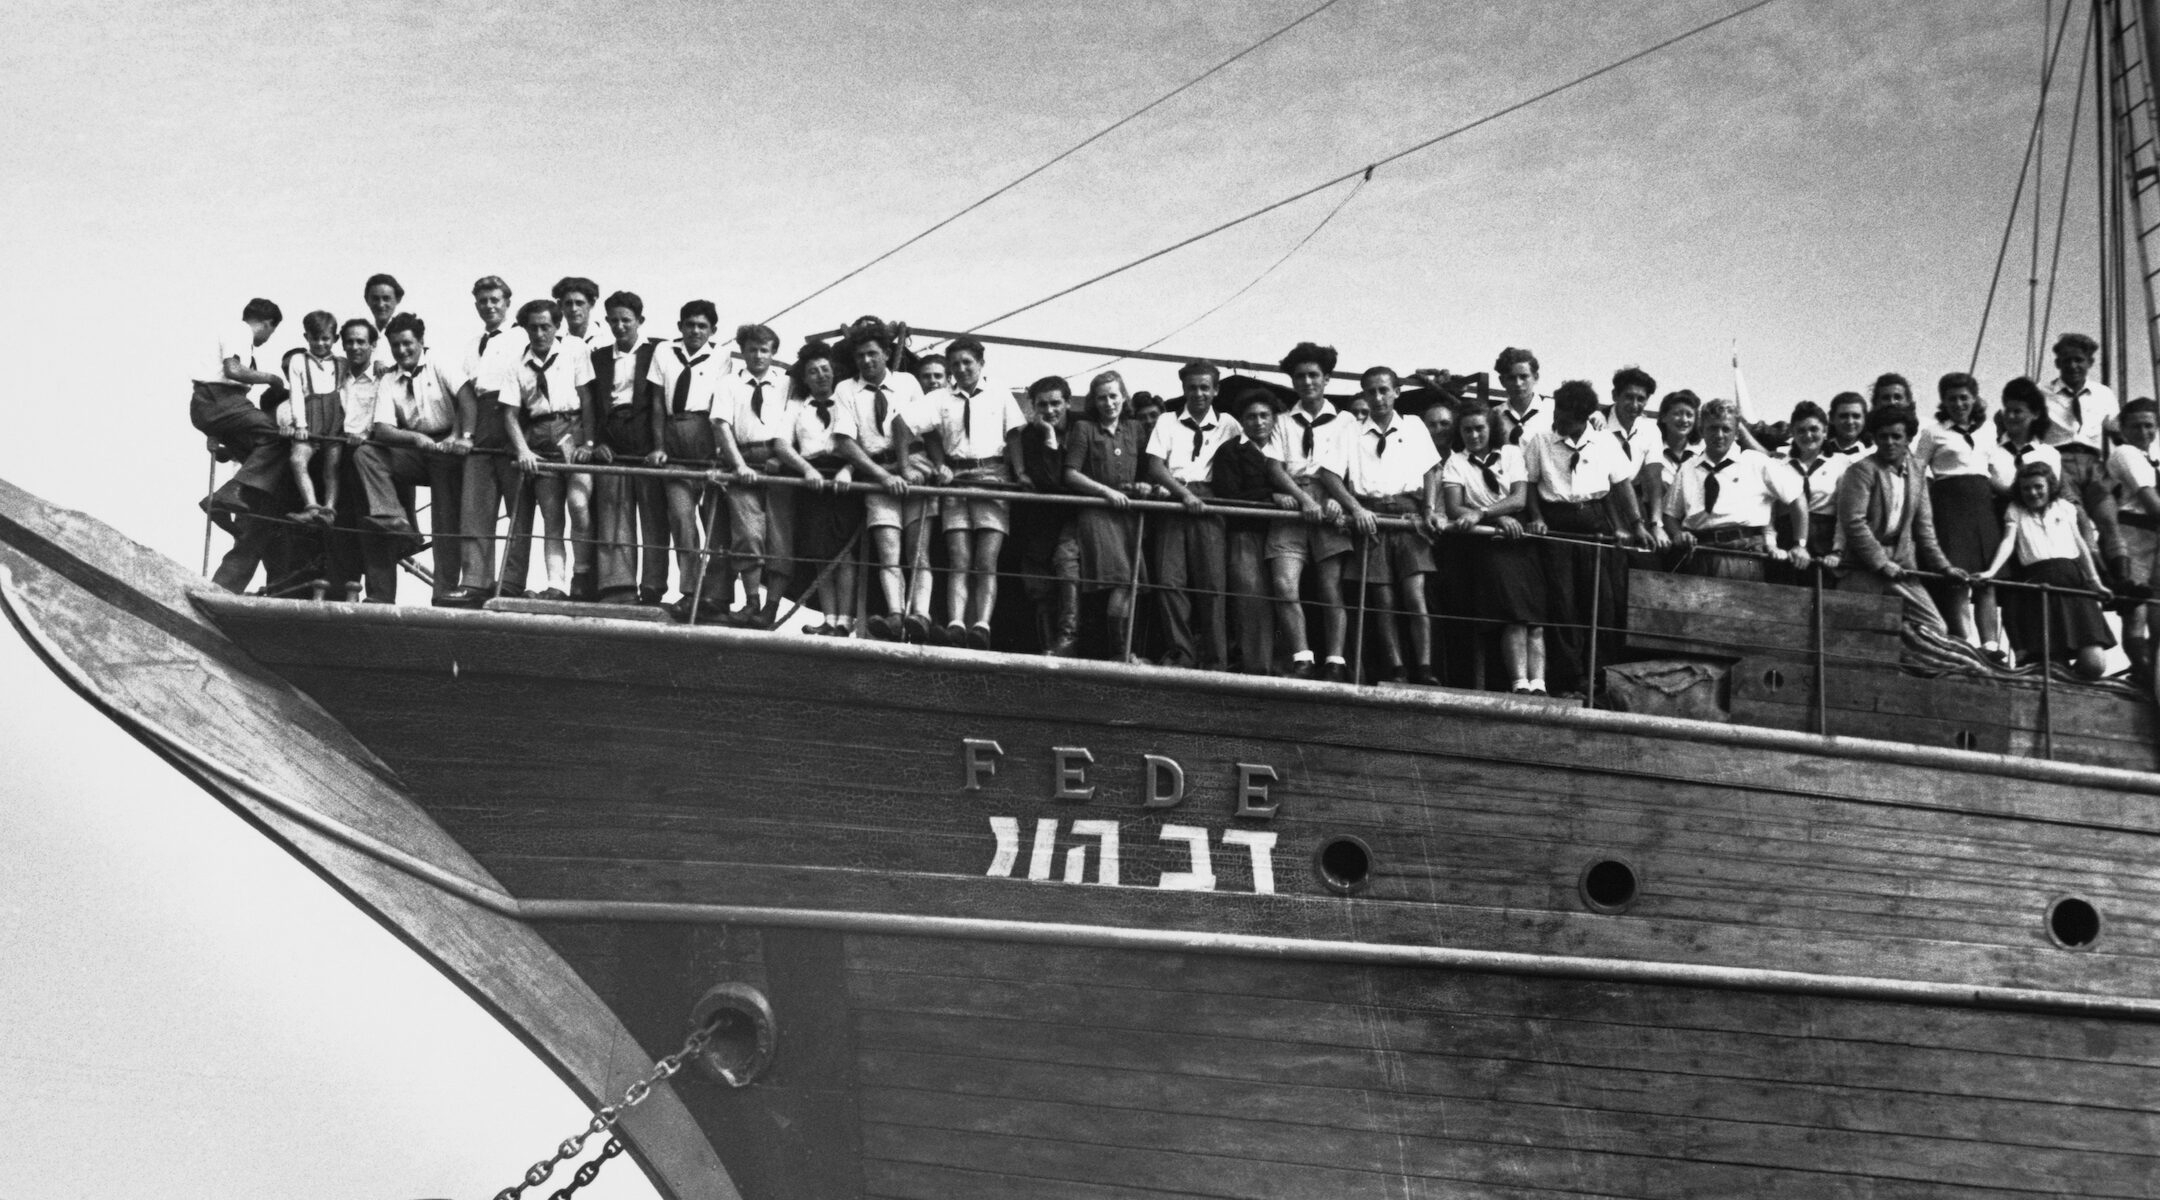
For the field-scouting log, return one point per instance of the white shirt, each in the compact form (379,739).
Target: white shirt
(1819,481)
(491,360)
(1507,467)
(977,426)
(755,424)
(384,361)
(2096,404)
(671,363)
(1750,485)
(1575,472)
(812,436)
(1517,429)
(307,375)
(564,369)
(2133,469)
(1187,447)
(623,382)
(903,402)
(1641,444)
(1389,462)
(2003,464)
(1946,452)
(423,401)
(1333,435)
(238,341)
(2050,533)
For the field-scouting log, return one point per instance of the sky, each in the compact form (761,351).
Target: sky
(1824,183)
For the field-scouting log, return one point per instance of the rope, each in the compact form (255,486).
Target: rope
(2062,205)
(1399,155)
(1075,148)
(2017,197)
(1309,236)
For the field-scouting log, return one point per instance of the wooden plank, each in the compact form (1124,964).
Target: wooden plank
(1728,636)
(588,610)
(1773,603)
(1546,1145)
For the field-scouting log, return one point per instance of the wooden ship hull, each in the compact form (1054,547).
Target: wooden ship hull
(1064,929)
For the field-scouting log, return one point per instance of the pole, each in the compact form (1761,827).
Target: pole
(502,556)
(1357,644)
(1597,588)
(210,489)
(694,589)
(2102,129)
(1822,656)
(1132,596)
(2044,596)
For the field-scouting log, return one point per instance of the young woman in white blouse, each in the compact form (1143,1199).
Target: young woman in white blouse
(2041,530)
(1956,451)
(1481,485)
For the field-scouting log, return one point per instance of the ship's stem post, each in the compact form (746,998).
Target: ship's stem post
(1822,656)
(1597,588)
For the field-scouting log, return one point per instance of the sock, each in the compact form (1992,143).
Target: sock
(1338,660)
(1522,683)
(1302,656)
(1537,685)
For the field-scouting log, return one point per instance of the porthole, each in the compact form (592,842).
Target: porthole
(1345,864)
(1966,739)
(1773,680)
(1609,885)
(2073,923)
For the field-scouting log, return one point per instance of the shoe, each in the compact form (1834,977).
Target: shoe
(882,628)
(649,597)
(514,593)
(1301,669)
(615,595)
(462,597)
(956,634)
(1396,675)
(1424,677)
(978,637)
(680,609)
(915,628)
(1335,672)
(817,630)
(1520,691)
(583,587)
(553,594)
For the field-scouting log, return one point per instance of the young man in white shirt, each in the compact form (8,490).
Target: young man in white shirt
(489,366)
(755,411)
(977,442)
(583,328)
(629,515)
(220,408)
(1395,472)
(547,420)
(2080,409)
(2135,471)
(686,374)
(382,294)
(1581,487)
(1728,498)
(1191,551)
(888,415)
(408,418)
(1313,442)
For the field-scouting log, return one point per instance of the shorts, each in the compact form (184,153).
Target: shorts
(1397,554)
(544,436)
(1296,540)
(2143,548)
(883,510)
(325,417)
(991,515)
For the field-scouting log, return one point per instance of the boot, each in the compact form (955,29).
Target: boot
(1065,637)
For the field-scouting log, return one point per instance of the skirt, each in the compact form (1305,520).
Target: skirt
(1503,583)
(1965,520)
(2073,621)
(1105,540)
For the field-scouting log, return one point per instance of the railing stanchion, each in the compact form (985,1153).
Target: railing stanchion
(2044,595)
(865,564)
(1357,633)
(1132,595)
(502,555)
(694,587)
(208,522)
(1597,590)
(1822,655)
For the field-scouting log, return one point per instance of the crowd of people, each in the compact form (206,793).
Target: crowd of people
(1445,536)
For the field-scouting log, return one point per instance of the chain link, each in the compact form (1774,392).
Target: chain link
(603,1121)
(590,1171)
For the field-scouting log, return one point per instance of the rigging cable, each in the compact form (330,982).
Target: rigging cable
(1399,155)
(2017,197)
(1309,236)
(1068,152)
(2032,274)
(2062,206)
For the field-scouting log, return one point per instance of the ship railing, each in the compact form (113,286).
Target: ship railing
(1599,626)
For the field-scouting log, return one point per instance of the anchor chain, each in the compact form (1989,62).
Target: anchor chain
(590,1171)
(603,1121)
